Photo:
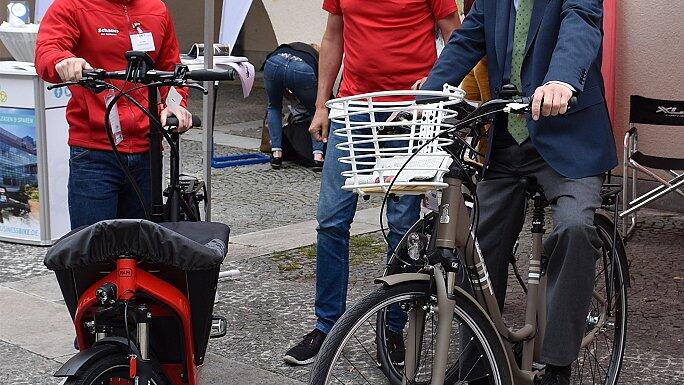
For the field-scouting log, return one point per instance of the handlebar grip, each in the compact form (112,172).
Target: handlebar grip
(172,121)
(210,75)
(90,74)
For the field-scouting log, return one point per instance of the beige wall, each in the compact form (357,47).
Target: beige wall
(650,62)
(296,20)
(188,17)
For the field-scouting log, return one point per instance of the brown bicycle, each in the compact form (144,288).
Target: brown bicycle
(436,294)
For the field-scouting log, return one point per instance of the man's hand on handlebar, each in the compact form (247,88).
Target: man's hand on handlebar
(319,125)
(419,83)
(71,69)
(184,118)
(554,97)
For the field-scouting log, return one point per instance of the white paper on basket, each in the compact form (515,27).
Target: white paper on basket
(420,168)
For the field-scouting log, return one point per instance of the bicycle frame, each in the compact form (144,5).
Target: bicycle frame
(129,279)
(454,233)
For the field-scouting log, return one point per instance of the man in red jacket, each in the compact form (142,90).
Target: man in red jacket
(83,34)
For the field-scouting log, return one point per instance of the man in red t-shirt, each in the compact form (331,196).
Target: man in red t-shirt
(386,45)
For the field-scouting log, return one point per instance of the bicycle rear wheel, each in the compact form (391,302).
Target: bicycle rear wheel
(603,347)
(350,353)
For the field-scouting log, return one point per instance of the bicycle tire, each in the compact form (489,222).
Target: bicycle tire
(115,365)
(385,296)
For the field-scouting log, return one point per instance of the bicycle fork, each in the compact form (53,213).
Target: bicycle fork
(445,310)
(453,233)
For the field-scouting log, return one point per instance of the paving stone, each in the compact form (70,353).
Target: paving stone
(21,367)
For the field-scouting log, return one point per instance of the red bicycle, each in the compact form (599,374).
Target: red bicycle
(141,293)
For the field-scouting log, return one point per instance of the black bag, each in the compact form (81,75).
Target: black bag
(297,140)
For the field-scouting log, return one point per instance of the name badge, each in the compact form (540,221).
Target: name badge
(142,42)
(173,100)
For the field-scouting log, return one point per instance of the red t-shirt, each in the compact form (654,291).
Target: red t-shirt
(389,44)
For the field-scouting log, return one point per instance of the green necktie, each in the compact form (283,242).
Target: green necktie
(517,124)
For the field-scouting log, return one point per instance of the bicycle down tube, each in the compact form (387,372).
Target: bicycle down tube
(454,233)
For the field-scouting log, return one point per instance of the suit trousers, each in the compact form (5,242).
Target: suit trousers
(572,246)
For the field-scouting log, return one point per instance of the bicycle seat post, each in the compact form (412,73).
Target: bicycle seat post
(538,213)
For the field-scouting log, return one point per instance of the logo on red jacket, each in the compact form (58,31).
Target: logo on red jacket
(108,31)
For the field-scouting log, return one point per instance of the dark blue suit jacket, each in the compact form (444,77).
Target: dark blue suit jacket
(564,44)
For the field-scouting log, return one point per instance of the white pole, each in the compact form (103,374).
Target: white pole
(208,102)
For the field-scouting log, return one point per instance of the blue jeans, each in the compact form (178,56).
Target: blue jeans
(98,188)
(282,73)
(336,209)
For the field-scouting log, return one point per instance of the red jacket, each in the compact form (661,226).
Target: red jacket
(98,31)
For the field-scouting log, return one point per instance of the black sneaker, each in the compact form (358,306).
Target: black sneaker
(317,165)
(276,163)
(305,352)
(395,347)
(556,375)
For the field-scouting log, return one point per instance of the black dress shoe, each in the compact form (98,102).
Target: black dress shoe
(318,165)
(556,375)
(276,163)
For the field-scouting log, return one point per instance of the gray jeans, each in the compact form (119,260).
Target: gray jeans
(572,246)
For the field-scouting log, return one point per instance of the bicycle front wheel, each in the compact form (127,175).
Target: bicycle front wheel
(350,353)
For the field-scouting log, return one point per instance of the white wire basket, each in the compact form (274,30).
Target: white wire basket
(376,149)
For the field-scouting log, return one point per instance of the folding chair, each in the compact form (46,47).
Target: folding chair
(655,112)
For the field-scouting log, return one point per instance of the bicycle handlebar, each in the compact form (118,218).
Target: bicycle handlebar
(96,77)
(490,105)
(204,75)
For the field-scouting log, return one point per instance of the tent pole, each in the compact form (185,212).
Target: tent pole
(208,102)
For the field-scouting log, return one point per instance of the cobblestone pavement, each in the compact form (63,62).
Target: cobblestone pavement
(271,306)
(21,367)
(274,297)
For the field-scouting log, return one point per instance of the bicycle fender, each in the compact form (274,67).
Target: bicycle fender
(83,358)
(395,279)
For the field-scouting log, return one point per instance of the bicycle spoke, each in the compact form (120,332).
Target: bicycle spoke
(474,365)
(363,347)
(338,380)
(353,366)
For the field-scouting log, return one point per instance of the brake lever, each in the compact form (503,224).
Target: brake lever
(61,85)
(197,86)
(94,85)
(517,108)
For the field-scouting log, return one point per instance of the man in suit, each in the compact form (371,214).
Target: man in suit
(549,49)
